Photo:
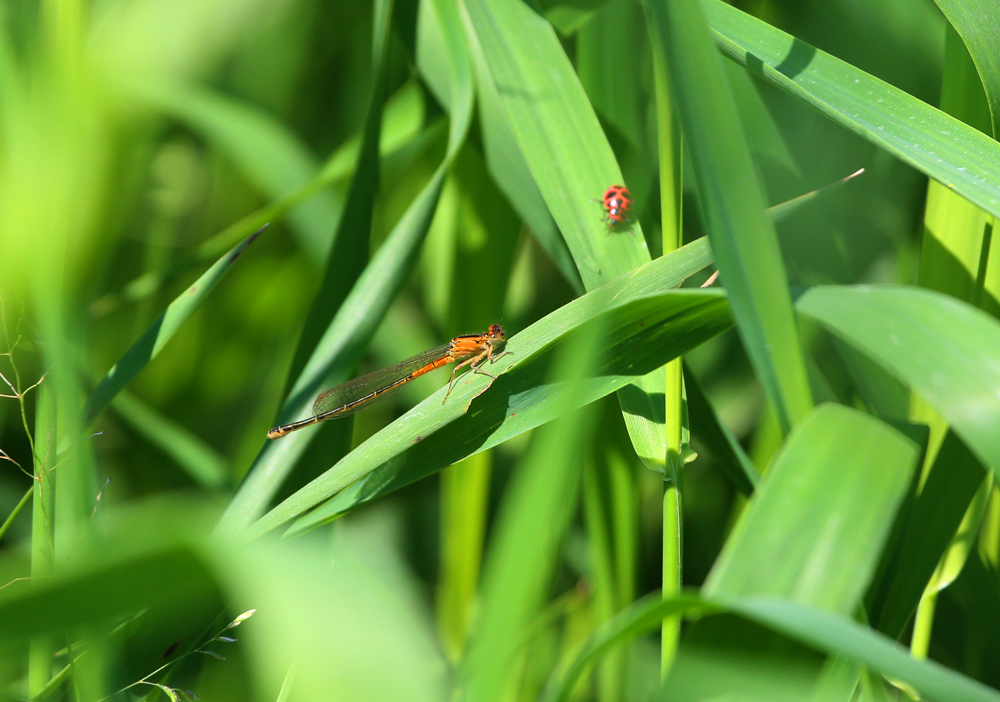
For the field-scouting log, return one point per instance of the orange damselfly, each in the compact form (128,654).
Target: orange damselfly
(355,395)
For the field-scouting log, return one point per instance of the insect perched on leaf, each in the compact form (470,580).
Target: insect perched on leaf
(618,203)
(347,398)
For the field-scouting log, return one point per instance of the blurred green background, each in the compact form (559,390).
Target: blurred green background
(145,139)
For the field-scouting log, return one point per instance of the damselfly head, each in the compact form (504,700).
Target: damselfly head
(495,333)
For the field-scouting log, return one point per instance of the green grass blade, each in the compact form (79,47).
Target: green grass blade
(814,530)
(537,510)
(557,131)
(43,560)
(159,333)
(826,632)
(639,307)
(946,351)
(952,254)
(347,257)
(199,460)
(15,513)
(953,153)
(511,172)
(837,635)
(464,507)
(521,396)
(677,429)
(611,517)
(978,23)
(337,352)
(743,237)
(133,565)
(954,478)
(571,162)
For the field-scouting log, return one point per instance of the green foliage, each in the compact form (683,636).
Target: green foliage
(429,169)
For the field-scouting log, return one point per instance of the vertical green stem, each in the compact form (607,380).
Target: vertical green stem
(671,193)
(16,511)
(923,623)
(464,497)
(609,505)
(673,533)
(989,534)
(42,533)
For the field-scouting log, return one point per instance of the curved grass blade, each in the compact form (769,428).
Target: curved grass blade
(639,337)
(357,319)
(978,23)
(953,153)
(829,633)
(947,351)
(743,237)
(838,635)
(813,532)
(518,401)
(159,333)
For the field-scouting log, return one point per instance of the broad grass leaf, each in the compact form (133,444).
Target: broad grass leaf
(813,531)
(829,633)
(947,351)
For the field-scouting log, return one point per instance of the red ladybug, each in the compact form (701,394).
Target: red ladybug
(618,203)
